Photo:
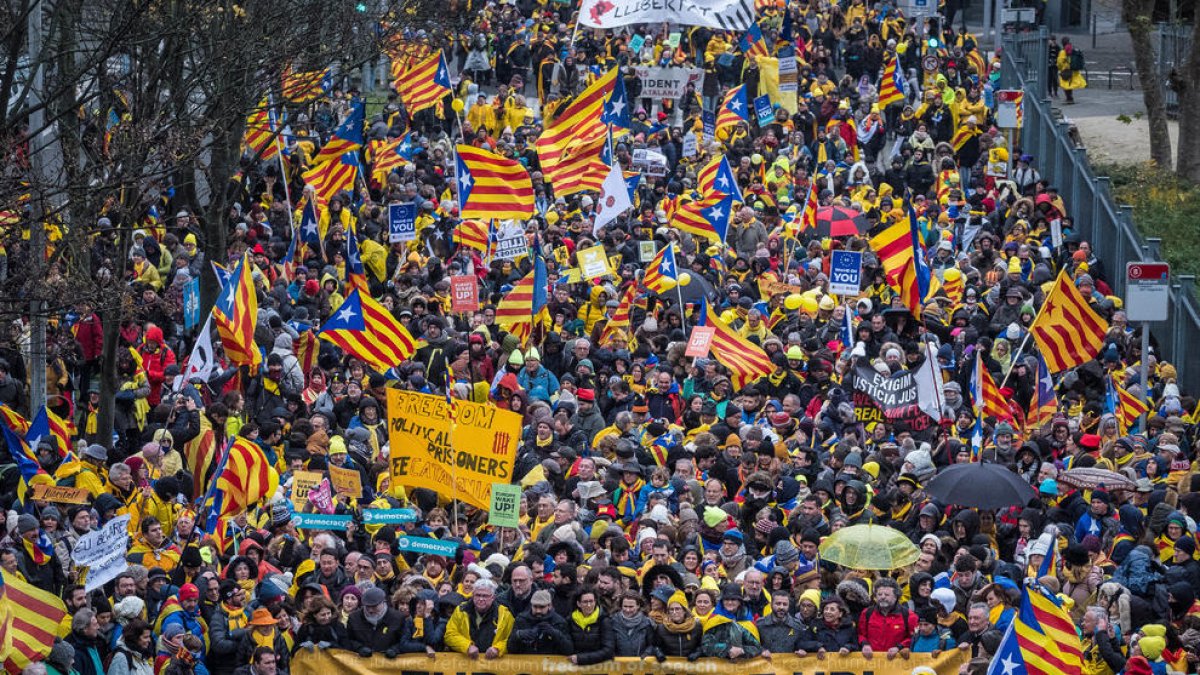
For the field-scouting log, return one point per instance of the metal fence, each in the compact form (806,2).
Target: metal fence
(1107,226)
(1173,44)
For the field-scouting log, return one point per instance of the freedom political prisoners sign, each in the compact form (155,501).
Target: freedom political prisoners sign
(322,661)
(460,459)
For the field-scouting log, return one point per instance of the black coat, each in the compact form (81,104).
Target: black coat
(832,639)
(677,644)
(333,632)
(381,637)
(593,644)
(540,635)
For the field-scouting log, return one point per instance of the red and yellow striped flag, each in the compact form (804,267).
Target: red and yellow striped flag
(304,87)
(247,479)
(952,285)
(32,619)
(425,84)
(365,330)
(891,85)
(988,401)
(620,316)
(332,177)
(236,315)
(261,132)
(492,186)
(746,361)
(1129,408)
(472,234)
(569,149)
(1068,332)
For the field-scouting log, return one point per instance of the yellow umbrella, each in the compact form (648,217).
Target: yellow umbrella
(869,547)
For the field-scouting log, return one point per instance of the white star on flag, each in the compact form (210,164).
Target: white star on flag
(666,266)
(1008,665)
(735,105)
(722,180)
(465,181)
(310,227)
(715,213)
(346,314)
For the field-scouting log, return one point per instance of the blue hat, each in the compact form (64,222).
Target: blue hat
(732,535)
(1048,487)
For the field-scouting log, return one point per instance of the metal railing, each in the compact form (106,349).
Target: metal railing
(1173,43)
(1107,226)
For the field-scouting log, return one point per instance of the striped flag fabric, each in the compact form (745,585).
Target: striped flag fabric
(569,148)
(262,129)
(13,420)
(306,86)
(347,137)
(891,85)
(1041,640)
(246,478)
(808,216)
(620,316)
(735,107)
(472,234)
(1129,407)
(953,285)
(425,84)
(752,42)
(518,309)
(356,275)
(706,218)
(307,350)
(746,361)
(662,274)
(332,177)
(387,156)
(1044,403)
(716,179)
(1068,332)
(236,315)
(287,266)
(32,621)
(988,401)
(492,186)
(964,134)
(365,330)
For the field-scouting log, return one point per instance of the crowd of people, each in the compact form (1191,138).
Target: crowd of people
(665,512)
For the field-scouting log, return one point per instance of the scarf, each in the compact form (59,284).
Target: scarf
(261,640)
(684,626)
(237,616)
(41,552)
(627,499)
(585,621)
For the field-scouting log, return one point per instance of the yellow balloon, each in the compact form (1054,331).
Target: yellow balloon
(792,302)
(668,283)
(951,274)
(457,104)
(685,279)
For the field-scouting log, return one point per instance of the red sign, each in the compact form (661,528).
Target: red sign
(700,341)
(464,294)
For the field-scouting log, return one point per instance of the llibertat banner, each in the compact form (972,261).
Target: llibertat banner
(735,15)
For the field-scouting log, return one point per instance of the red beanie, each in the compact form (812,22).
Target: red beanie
(189,592)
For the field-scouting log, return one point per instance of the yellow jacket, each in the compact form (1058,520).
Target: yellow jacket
(460,632)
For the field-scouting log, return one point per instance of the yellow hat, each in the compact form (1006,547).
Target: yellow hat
(678,598)
(1152,647)
(872,468)
(551,217)
(827,303)
(189,239)
(708,583)
(1014,265)
(812,595)
(337,446)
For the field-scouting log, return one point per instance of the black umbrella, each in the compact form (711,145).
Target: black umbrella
(980,486)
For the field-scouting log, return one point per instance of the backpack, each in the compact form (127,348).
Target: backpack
(1077,60)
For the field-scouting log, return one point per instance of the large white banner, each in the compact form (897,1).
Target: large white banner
(668,82)
(736,15)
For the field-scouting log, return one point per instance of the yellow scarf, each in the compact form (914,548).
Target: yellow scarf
(237,617)
(584,621)
(261,640)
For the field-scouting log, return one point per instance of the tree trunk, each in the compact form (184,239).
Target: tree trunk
(1188,89)
(1141,31)
(222,162)
(111,321)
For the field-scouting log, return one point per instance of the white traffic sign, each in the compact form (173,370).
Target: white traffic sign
(1147,291)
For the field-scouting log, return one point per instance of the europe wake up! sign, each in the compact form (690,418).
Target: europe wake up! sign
(461,459)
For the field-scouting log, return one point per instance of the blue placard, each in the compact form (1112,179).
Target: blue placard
(426,545)
(389,516)
(635,44)
(320,521)
(762,108)
(709,119)
(845,272)
(402,222)
(191,304)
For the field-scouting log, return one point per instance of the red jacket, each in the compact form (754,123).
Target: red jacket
(884,631)
(89,333)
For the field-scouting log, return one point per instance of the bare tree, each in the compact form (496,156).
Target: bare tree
(1137,14)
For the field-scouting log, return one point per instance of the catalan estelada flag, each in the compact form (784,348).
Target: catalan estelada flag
(306,86)
(347,137)
(891,85)
(661,274)
(619,321)
(1044,402)
(569,149)
(236,315)
(1041,640)
(1128,407)
(987,399)
(30,621)
(13,420)
(707,218)
(245,479)
(734,108)
(492,186)
(808,217)
(387,156)
(1068,332)
(524,305)
(752,42)
(332,177)
(425,84)
(365,330)
(262,130)
(953,285)
(356,275)
(716,179)
(746,361)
